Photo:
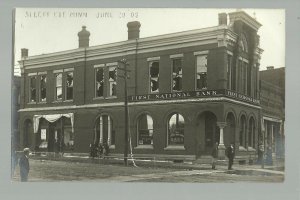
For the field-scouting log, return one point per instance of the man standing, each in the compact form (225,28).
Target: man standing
(214,156)
(24,165)
(230,155)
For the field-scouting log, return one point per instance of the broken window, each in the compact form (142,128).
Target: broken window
(99,81)
(145,130)
(154,76)
(112,79)
(201,72)
(58,78)
(69,86)
(177,75)
(32,89)
(176,130)
(43,81)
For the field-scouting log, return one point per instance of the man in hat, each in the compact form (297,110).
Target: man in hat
(24,165)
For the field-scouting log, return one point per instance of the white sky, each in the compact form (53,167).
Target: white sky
(50,31)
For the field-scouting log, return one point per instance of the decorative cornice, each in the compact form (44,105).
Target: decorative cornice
(247,19)
(150,44)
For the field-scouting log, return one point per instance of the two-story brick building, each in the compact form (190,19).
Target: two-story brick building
(187,90)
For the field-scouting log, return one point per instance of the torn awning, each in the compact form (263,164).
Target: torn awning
(51,118)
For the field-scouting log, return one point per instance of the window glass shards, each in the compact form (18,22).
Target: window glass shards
(154,76)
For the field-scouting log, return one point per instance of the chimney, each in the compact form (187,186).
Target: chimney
(222,19)
(133,30)
(270,67)
(24,53)
(83,37)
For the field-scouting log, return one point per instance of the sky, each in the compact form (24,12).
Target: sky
(48,30)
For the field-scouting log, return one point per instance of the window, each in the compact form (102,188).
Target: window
(32,86)
(176,130)
(43,83)
(145,130)
(229,74)
(58,79)
(69,85)
(177,75)
(242,131)
(112,79)
(201,64)
(251,135)
(104,131)
(243,43)
(68,135)
(99,81)
(154,76)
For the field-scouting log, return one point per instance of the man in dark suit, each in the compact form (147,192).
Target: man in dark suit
(24,165)
(230,155)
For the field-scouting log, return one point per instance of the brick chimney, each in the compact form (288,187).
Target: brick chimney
(83,37)
(222,19)
(24,53)
(133,30)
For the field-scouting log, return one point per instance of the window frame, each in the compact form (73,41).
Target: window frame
(150,62)
(40,75)
(30,76)
(96,68)
(168,130)
(172,73)
(138,130)
(200,54)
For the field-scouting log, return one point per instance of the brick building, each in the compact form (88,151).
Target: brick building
(187,90)
(272,98)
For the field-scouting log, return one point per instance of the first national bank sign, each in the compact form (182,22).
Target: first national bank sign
(193,94)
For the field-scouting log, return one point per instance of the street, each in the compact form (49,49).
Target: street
(50,171)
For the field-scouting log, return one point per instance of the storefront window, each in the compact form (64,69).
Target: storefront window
(177,75)
(176,130)
(145,130)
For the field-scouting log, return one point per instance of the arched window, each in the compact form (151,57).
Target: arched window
(145,130)
(176,130)
(251,134)
(243,131)
(104,130)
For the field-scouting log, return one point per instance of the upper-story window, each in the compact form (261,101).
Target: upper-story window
(32,88)
(64,83)
(243,43)
(59,88)
(229,72)
(112,79)
(69,85)
(99,81)
(43,87)
(154,76)
(177,75)
(201,71)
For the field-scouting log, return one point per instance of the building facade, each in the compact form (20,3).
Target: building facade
(272,98)
(186,91)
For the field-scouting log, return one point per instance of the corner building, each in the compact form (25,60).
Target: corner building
(187,91)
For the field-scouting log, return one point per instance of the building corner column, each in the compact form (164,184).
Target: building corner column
(221,147)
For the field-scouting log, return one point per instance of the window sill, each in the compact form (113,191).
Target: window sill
(144,147)
(112,97)
(98,98)
(174,148)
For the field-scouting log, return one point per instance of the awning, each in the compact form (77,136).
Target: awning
(51,118)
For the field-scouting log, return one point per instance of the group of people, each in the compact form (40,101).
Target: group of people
(99,150)
(229,152)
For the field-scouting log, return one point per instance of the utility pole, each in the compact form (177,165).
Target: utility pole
(124,63)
